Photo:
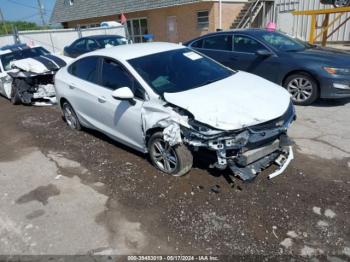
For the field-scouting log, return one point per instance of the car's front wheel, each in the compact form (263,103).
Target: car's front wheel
(303,88)
(70,116)
(15,99)
(173,160)
(341,3)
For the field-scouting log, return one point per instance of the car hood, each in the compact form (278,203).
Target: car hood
(327,56)
(235,102)
(41,64)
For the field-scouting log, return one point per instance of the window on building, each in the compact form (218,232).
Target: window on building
(137,29)
(69,2)
(203,18)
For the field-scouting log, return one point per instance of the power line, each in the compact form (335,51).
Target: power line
(25,5)
(41,12)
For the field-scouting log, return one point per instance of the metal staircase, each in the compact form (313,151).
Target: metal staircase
(248,14)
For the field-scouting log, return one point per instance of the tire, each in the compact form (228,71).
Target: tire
(178,157)
(15,99)
(303,88)
(70,117)
(341,3)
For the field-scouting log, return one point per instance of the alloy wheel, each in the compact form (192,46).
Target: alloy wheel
(164,156)
(300,88)
(70,116)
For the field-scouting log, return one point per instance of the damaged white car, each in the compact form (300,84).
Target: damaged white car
(169,101)
(26,74)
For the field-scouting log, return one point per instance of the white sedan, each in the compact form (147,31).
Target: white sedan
(167,100)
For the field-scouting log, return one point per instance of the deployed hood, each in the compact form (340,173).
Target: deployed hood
(238,101)
(41,64)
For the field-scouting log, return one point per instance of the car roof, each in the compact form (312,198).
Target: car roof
(249,31)
(126,52)
(101,36)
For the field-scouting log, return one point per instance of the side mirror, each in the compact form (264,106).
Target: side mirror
(263,52)
(123,93)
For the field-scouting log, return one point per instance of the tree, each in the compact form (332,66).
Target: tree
(21,26)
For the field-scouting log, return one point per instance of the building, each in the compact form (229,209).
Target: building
(167,20)
(299,26)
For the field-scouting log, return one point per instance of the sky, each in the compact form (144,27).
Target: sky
(26,10)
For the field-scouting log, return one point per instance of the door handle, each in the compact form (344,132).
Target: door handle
(71,87)
(101,99)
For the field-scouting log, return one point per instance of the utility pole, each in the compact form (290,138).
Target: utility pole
(2,19)
(41,11)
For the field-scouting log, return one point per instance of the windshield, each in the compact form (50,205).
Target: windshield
(283,42)
(113,41)
(178,70)
(6,59)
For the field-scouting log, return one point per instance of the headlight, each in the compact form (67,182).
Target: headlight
(337,71)
(239,140)
(204,130)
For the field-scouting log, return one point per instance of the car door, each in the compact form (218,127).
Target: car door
(245,50)
(3,76)
(83,90)
(120,118)
(217,47)
(5,83)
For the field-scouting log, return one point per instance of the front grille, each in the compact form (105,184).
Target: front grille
(276,123)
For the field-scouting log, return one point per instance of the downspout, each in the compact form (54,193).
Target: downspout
(220,14)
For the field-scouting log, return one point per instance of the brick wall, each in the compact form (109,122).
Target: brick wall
(186,17)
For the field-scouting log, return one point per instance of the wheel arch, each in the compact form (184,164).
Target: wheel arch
(150,132)
(62,100)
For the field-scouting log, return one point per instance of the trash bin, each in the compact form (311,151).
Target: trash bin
(148,37)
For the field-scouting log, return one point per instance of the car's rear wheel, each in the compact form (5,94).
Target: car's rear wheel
(303,88)
(70,116)
(173,160)
(341,3)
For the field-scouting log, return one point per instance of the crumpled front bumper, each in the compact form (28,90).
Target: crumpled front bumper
(248,165)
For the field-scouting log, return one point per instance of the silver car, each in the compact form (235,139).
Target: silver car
(168,100)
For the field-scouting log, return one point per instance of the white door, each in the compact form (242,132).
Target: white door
(172,33)
(120,118)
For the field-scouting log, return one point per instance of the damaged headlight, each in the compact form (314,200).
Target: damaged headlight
(204,130)
(239,140)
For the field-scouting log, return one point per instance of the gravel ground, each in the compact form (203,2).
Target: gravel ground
(65,193)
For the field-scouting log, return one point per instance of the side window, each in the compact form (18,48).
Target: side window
(80,44)
(114,76)
(219,42)
(86,69)
(197,44)
(246,44)
(91,45)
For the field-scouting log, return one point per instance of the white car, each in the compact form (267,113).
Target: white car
(26,74)
(167,100)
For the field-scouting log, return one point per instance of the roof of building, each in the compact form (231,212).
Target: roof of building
(69,10)
(131,51)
